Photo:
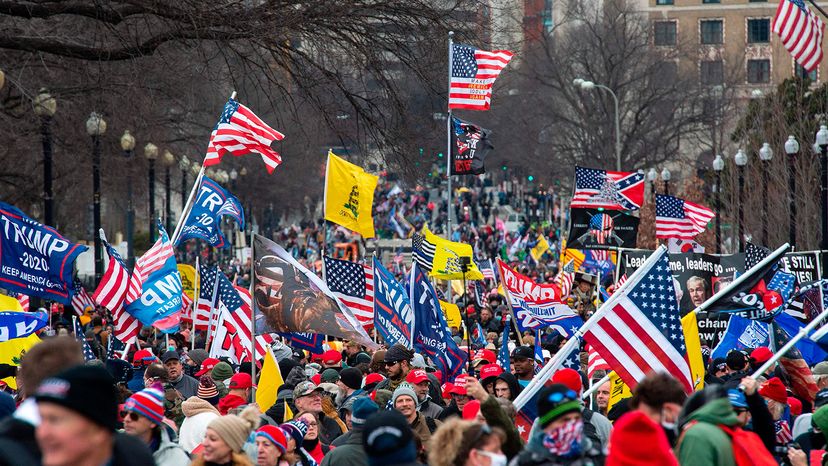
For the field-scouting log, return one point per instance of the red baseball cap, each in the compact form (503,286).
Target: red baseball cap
(316,379)
(761,354)
(446,389)
(416,376)
(484,355)
(470,410)
(373,378)
(143,357)
(331,357)
(569,377)
(459,387)
(490,370)
(207,366)
(240,381)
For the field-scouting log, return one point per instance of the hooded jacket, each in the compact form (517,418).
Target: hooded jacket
(229,402)
(199,413)
(637,439)
(704,442)
(169,453)
(514,386)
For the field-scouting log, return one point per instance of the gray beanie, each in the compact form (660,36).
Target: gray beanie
(403,389)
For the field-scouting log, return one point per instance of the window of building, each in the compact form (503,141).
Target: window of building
(664,2)
(711,31)
(758,31)
(666,73)
(664,33)
(711,1)
(802,73)
(712,72)
(758,71)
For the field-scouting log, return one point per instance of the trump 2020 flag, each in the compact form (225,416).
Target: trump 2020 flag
(155,285)
(393,316)
(204,221)
(349,195)
(15,324)
(34,258)
(432,337)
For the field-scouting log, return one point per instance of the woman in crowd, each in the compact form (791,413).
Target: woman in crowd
(465,443)
(224,441)
(271,446)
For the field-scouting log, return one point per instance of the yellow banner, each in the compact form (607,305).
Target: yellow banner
(618,390)
(187,279)
(574,255)
(447,254)
(349,195)
(452,313)
(269,382)
(539,248)
(690,325)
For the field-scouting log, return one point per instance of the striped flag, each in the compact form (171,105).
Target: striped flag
(353,284)
(263,341)
(239,131)
(596,362)
(641,331)
(423,251)
(473,73)
(88,354)
(23,299)
(233,335)
(801,31)
(677,218)
(81,302)
(152,260)
(111,293)
(487,269)
(596,188)
(565,278)
(206,301)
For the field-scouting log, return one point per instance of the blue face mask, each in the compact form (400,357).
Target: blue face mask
(565,440)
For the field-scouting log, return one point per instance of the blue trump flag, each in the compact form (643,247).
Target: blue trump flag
(204,219)
(15,324)
(431,335)
(305,341)
(35,259)
(742,333)
(155,286)
(393,316)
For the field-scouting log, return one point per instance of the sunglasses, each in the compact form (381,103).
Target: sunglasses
(569,395)
(389,364)
(132,415)
(740,410)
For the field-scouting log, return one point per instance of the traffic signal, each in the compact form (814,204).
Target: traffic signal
(503,167)
(530,178)
(439,155)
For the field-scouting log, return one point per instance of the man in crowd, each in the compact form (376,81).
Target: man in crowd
(332,359)
(308,397)
(421,384)
(239,395)
(523,362)
(144,419)
(602,396)
(404,400)
(398,364)
(180,381)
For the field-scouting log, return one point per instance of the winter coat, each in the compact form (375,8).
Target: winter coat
(430,408)
(187,386)
(229,402)
(199,413)
(348,453)
(329,429)
(18,446)
(495,417)
(169,453)
(128,450)
(421,427)
(239,459)
(450,411)
(535,454)
(136,384)
(704,442)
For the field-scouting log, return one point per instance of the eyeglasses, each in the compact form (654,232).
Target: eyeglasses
(390,363)
(311,424)
(132,415)
(558,396)
(740,410)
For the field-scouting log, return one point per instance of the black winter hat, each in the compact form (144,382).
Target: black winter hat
(556,400)
(87,390)
(351,377)
(398,353)
(388,440)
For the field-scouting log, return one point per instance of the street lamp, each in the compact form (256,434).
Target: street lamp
(741,160)
(765,155)
(718,166)
(95,128)
(151,153)
(128,145)
(169,160)
(665,175)
(652,175)
(45,107)
(184,164)
(792,148)
(822,142)
(588,86)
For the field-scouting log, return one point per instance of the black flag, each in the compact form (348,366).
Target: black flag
(469,146)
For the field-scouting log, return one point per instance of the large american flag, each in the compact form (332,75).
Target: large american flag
(473,72)
(239,131)
(677,218)
(353,284)
(611,190)
(641,331)
(111,294)
(81,302)
(801,32)
(206,304)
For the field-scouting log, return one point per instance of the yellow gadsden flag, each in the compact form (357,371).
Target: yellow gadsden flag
(187,273)
(446,263)
(13,350)
(452,313)
(690,326)
(349,195)
(269,382)
(539,248)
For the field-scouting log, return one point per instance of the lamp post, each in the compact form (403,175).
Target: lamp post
(588,86)
(95,128)
(822,142)
(665,175)
(652,175)
(718,166)
(741,160)
(151,153)
(45,107)
(169,160)
(128,145)
(792,148)
(765,155)
(184,164)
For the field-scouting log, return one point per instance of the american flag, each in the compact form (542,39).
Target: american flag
(802,381)
(801,31)
(754,254)
(610,190)
(239,131)
(263,342)
(473,72)
(234,322)
(641,332)
(81,302)
(88,355)
(206,301)
(353,284)
(152,260)
(114,348)
(565,278)
(573,359)
(677,218)
(595,362)
(538,354)
(486,269)
(24,301)
(601,226)
(111,294)
(423,252)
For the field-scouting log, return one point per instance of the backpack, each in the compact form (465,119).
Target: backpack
(748,449)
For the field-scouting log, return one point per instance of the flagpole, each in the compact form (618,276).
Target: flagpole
(188,206)
(448,135)
(212,310)
(196,294)
(253,315)
(774,256)
(594,387)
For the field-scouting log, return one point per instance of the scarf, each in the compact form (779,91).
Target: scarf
(565,441)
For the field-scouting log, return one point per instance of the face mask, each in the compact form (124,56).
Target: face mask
(495,459)
(670,428)
(566,439)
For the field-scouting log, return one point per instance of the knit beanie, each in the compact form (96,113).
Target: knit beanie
(149,403)
(207,390)
(636,439)
(87,390)
(297,429)
(554,401)
(329,376)
(403,389)
(198,356)
(775,390)
(275,435)
(363,408)
(351,377)
(222,371)
(820,420)
(387,439)
(233,429)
